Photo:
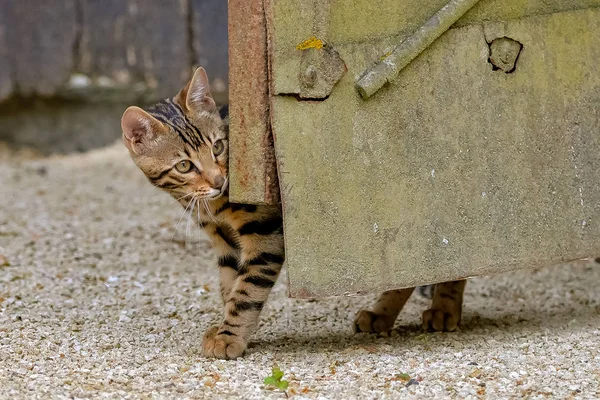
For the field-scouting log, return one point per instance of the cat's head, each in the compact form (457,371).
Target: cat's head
(181,143)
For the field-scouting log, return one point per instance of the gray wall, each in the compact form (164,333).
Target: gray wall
(68,68)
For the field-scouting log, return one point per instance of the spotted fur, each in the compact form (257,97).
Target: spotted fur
(248,239)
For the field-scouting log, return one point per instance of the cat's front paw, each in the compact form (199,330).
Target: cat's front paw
(222,345)
(369,322)
(438,320)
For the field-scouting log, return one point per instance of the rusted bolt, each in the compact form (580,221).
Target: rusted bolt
(309,77)
(504,53)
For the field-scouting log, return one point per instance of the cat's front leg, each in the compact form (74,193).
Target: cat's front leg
(249,292)
(228,253)
(228,272)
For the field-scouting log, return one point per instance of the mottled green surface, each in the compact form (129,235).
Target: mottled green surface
(353,20)
(382,24)
(455,170)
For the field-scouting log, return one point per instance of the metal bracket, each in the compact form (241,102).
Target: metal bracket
(320,70)
(374,78)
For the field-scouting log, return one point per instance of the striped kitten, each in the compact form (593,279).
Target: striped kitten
(181,146)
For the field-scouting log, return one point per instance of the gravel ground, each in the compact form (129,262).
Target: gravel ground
(99,297)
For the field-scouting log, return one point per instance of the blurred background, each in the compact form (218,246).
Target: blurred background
(69,68)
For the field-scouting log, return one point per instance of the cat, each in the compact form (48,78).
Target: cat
(181,145)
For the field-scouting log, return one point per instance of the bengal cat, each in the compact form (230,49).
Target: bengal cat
(181,145)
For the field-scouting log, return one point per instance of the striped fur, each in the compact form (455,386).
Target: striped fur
(248,239)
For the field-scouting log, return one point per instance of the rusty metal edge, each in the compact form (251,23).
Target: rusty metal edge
(272,189)
(253,169)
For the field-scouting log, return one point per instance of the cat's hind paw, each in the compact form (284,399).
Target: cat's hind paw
(369,322)
(436,320)
(222,345)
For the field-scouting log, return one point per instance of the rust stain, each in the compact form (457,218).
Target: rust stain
(242,147)
(253,156)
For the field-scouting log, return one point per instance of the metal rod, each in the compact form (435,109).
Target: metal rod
(386,70)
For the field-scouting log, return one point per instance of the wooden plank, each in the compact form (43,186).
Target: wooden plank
(252,160)
(40,37)
(209,43)
(131,41)
(6,83)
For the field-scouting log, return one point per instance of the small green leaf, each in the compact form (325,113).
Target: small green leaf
(275,379)
(283,385)
(277,373)
(269,380)
(404,377)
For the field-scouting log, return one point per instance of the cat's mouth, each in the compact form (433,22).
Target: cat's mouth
(216,193)
(213,195)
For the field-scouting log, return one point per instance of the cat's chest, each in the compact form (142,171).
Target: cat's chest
(219,222)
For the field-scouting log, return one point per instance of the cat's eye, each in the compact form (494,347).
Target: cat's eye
(218,147)
(183,166)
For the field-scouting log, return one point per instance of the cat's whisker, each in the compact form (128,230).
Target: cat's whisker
(180,219)
(205,206)
(189,218)
(208,211)
(182,197)
(200,225)
(187,228)
(196,206)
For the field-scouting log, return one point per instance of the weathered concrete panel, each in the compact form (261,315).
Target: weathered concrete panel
(39,37)
(130,41)
(452,171)
(252,160)
(384,24)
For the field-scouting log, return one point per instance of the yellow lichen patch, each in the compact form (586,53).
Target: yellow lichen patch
(310,43)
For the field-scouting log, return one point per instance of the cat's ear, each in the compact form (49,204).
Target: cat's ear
(139,128)
(196,94)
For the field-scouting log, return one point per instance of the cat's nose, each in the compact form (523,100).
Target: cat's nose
(219,181)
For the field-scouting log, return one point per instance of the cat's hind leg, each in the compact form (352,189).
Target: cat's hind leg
(446,308)
(384,313)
